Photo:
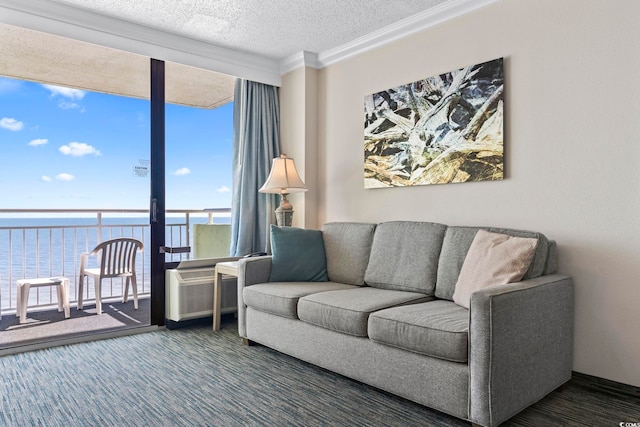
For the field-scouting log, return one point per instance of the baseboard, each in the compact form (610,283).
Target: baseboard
(592,381)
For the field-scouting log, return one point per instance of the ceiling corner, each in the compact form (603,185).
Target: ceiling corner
(298,60)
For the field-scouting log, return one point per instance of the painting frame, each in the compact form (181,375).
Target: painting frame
(447,128)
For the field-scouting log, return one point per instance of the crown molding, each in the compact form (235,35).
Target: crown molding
(416,23)
(66,21)
(298,60)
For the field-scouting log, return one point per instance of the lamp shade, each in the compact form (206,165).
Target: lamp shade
(283,178)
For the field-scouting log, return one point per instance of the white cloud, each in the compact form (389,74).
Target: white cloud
(65,177)
(11,124)
(70,105)
(182,171)
(78,149)
(67,92)
(36,142)
(45,178)
(223,189)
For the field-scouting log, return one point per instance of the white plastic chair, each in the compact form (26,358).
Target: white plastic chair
(117,258)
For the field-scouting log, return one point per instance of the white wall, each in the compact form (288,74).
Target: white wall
(572,150)
(299,139)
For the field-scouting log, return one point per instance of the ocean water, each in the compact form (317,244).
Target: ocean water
(47,247)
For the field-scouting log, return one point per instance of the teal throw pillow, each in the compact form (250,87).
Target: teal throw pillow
(298,255)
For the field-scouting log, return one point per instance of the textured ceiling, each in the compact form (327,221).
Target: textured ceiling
(273,28)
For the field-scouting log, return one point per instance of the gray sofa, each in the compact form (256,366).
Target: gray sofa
(386,318)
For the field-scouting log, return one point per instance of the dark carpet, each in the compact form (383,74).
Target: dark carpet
(198,377)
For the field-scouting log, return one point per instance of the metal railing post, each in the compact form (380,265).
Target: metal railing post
(188,232)
(99,237)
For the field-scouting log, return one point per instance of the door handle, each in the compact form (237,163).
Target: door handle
(154,210)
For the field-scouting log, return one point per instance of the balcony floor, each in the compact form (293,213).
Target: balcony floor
(51,324)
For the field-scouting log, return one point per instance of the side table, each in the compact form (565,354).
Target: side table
(24,285)
(227,268)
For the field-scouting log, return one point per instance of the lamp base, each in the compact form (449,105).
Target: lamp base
(284,217)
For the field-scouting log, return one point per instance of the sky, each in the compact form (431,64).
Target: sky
(63,148)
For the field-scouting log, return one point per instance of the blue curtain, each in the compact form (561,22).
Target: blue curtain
(255,143)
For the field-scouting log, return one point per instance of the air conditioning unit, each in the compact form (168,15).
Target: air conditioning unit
(189,290)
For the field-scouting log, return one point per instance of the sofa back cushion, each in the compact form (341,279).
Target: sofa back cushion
(347,246)
(455,246)
(551,267)
(404,256)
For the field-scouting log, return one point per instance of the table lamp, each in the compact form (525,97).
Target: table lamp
(283,179)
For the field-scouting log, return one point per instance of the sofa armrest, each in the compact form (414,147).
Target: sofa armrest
(251,271)
(520,345)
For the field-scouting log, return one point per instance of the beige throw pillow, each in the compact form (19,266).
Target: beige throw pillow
(493,259)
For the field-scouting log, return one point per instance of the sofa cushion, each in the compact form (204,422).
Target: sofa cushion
(281,298)
(404,256)
(347,245)
(347,311)
(455,246)
(298,255)
(551,266)
(436,328)
(493,259)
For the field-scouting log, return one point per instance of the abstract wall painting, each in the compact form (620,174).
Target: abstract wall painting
(443,129)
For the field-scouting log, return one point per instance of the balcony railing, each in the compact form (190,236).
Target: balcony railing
(47,243)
